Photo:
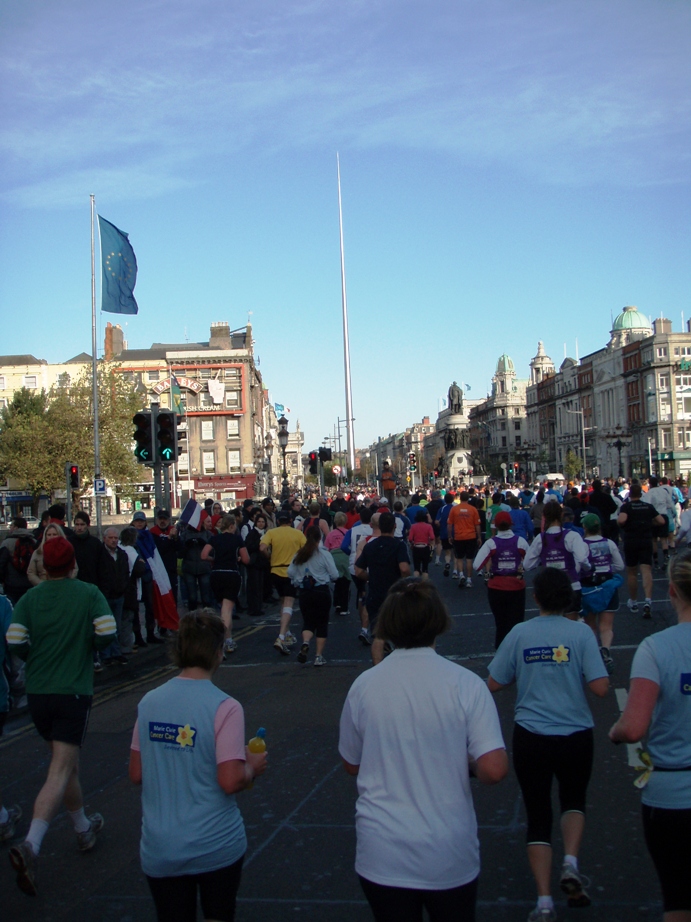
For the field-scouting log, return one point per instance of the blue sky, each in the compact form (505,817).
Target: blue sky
(512,170)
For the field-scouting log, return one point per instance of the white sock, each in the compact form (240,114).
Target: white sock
(4,815)
(572,860)
(79,820)
(287,611)
(545,902)
(37,831)
(281,636)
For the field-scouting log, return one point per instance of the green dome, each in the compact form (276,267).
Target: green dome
(505,365)
(631,319)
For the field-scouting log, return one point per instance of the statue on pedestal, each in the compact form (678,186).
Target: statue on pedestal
(455,398)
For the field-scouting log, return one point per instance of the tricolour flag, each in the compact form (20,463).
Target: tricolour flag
(165,606)
(119,270)
(279,408)
(191,514)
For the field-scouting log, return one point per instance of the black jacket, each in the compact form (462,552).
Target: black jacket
(113,574)
(87,551)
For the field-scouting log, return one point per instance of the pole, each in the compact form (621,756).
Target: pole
(158,493)
(166,486)
(346,343)
(583,442)
(174,499)
(94,363)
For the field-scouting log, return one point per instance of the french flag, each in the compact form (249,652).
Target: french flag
(191,514)
(165,608)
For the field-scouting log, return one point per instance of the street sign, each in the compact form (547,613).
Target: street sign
(337,469)
(99,486)
(503,465)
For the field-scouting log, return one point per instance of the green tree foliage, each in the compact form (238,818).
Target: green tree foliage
(41,432)
(572,465)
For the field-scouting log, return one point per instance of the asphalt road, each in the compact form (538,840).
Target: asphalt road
(299,815)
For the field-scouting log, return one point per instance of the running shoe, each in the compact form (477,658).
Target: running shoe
(14,814)
(607,660)
(447,568)
(437,562)
(304,651)
(291,639)
(572,884)
(23,861)
(462,582)
(281,646)
(468,583)
(632,605)
(87,840)
(230,645)
(98,665)
(319,661)
(454,575)
(646,609)
(542,915)
(364,637)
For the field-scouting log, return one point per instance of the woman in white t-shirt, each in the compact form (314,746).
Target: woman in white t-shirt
(659,707)
(413,729)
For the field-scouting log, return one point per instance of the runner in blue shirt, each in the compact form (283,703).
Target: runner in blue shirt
(549,657)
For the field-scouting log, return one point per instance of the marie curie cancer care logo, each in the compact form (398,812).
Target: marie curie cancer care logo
(173,734)
(558,654)
(686,683)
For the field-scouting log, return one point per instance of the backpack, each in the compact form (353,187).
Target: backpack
(24,547)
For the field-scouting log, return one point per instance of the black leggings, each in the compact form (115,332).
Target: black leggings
(421,557)
(315,605)
(537,759)
(508,608)
(175,898)
(668,837)
(399,904)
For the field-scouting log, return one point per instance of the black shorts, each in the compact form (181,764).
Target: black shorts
(661,531)
(175,898)
(61,718)
(283,586)
(668,837)
(226,584)
(638,552)
(446,544)
(467,548)
(360,588)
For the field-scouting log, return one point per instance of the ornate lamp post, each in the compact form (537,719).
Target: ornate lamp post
(283,442)
(269,442)
(616,442)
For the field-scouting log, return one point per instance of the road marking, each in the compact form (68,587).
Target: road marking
(631,748)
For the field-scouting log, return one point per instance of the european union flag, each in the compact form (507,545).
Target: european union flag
(119,266)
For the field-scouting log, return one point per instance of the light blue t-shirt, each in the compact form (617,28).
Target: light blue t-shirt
(549,657)
(665,658)
(189,825)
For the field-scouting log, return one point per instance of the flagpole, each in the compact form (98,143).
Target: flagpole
(174,500)
(94,362)
(346,344)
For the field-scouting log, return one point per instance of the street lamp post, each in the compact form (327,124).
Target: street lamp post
(269,452)
(616,442)
(283,442)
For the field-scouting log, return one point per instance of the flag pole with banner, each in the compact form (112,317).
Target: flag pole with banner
(94,368)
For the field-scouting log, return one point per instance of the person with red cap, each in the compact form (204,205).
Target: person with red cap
(503,556)
(55,627)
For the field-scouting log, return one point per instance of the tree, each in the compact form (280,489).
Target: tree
(40,433)
(572,465)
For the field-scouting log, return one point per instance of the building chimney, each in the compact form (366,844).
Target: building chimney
(114,342)
(220,336)
(662,325)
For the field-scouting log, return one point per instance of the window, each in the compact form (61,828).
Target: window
(207,430)
(688,436)
(30,381)
(518,441)
(205,374)
(233,428)
(661,352)
(153,375)
(64,380)
(3,403)
(666,438)
(517,425)
(233,462)
(663,380)
(128,376)
(183,464)
(2,383)
(209,462)
(503,441)
(232,399)
(516,411)
(232,374)
(502,426)
(687,404)
(676,350)
(206,400)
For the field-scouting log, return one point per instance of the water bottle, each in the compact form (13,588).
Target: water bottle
(257,744)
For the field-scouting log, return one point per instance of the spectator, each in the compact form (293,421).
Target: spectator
(87,549)
(36,570)
(15,556)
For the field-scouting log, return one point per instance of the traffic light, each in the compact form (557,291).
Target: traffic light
(314,457)
(74,476)
(181,435)
(143,436)
(412,462)
(166,437)
(325,454)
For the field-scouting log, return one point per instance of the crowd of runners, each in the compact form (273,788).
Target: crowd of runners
(73,605)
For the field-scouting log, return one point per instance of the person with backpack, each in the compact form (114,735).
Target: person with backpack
(564,550)
(503,556)
(15,556)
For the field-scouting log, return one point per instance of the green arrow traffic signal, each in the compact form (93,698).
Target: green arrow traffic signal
(143,450)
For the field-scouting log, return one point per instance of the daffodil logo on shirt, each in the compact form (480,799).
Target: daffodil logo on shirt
(560,654)
(551,655)
(185,736)
(173,735)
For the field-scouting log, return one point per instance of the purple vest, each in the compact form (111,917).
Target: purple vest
(554,553)
(600,557)
(506,557)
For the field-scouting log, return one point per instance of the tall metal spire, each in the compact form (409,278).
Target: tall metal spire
(350,432)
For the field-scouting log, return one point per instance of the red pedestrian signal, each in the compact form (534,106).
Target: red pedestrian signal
(314,458)
(74,476)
